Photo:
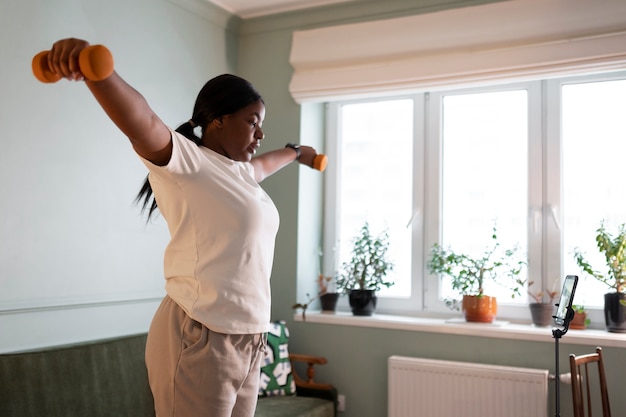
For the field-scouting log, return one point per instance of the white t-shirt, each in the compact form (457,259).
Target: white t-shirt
(223,229)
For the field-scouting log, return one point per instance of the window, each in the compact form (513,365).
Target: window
(540,160)
(484,173)
(377,138)
(593,133)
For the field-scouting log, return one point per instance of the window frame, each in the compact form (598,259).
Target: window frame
(398,305)
(545,238)
(554,198)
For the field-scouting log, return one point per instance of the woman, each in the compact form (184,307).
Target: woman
(206,340)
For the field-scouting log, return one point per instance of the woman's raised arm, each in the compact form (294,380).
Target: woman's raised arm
(123,104)
(270,162)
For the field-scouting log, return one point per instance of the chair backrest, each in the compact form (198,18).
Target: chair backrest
(587,385)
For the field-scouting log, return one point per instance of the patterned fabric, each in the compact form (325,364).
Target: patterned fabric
(276,376)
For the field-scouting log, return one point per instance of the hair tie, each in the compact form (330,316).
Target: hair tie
(192,123)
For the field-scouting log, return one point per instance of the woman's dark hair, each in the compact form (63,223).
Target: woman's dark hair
(222,95)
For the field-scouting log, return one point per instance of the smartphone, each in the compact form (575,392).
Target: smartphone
(566,299)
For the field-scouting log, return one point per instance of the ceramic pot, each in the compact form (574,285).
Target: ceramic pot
(479,308)
(615,312)
(541,314)
(362,302)
(329,301)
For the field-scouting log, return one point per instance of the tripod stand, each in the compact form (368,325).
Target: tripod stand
(557,334)
(564,314)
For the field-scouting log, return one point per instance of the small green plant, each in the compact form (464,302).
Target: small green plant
(368,265)
(614,250)
(324,283)
(470,273)
(580,309)
(304,306)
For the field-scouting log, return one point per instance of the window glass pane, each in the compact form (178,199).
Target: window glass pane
(485,176)
(376,180)
(594,145)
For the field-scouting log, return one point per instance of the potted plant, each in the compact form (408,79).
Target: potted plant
(614,250)
(469,274)
(364,274)
(542,305)
(326,288)
(326,292)
(328,295)
(580,320)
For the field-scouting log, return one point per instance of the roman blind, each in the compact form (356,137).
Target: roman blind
(504,41)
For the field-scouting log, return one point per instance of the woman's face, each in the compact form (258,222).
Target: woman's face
(238,135)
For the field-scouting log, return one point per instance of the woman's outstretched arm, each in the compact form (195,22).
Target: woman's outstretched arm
(270,162)
(123,104)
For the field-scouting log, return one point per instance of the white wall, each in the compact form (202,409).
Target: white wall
(77,260)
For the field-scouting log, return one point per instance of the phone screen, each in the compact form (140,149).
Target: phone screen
(566,299)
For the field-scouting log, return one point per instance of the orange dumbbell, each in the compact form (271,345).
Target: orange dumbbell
(319,162)
(95,62)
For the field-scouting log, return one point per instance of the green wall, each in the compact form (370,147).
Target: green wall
(358,356)
(68,179)
(77,259)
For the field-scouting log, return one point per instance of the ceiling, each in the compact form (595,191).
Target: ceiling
(255,8)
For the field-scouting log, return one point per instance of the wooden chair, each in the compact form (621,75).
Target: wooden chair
(583,384)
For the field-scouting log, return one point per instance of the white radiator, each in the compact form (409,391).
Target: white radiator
(433,388)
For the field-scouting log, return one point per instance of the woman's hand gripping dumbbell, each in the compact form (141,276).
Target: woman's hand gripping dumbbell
(95,63)
(308,156)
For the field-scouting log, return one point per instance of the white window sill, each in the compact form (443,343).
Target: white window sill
(498,329)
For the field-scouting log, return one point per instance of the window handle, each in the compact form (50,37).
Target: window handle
(555,217)
(415,214)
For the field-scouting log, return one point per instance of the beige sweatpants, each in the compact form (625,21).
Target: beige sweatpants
(195,372)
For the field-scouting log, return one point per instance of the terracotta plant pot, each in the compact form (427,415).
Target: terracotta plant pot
(481,309)
(541,314)
(578,322)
